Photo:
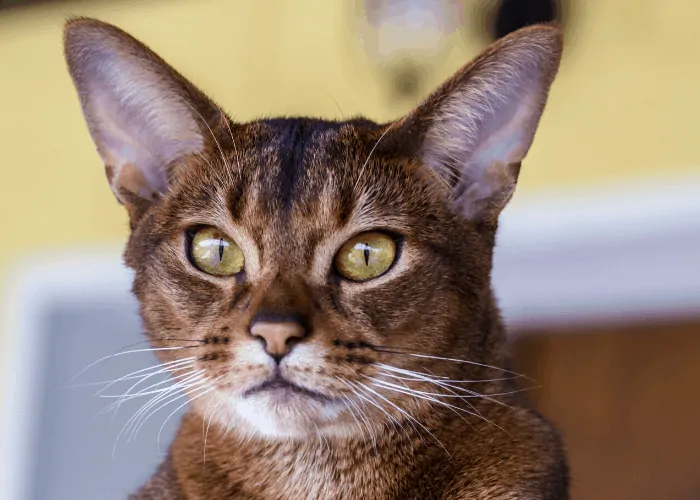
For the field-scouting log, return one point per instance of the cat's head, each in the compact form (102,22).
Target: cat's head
(301,276)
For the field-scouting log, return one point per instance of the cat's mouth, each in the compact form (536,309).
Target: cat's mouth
(278,384)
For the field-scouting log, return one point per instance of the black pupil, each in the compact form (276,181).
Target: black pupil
(366,252)
(221,249)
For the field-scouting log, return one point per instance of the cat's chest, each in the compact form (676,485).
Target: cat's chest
(308,480)
(313,487)
(303,478)
(389,468)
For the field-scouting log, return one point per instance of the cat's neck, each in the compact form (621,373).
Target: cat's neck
(379,464)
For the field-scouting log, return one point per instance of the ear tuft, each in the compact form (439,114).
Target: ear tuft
(140,112)
(476,129)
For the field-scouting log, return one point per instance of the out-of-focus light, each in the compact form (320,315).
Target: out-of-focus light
(406,39)
(396,29)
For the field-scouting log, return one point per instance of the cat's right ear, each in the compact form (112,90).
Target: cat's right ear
(474,131)
(142,115)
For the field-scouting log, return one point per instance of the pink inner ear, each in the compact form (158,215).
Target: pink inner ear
(506,136)
(134,107)
(141,123)
(124,138)
(487,121)
(131,179)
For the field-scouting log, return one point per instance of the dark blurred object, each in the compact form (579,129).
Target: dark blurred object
(511,15)
(494,19)
(407,80)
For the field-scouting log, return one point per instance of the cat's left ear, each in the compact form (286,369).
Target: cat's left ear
(142,114)
(474,131)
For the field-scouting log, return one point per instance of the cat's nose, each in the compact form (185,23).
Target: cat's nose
(278,333)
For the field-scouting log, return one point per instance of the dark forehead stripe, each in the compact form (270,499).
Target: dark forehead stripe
(236,198)
(290,162)
(296,139)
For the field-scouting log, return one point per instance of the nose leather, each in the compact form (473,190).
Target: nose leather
(277,335)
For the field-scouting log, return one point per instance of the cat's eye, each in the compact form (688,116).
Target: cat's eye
(366,256)
(215,253)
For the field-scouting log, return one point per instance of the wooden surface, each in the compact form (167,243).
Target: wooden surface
(628,403)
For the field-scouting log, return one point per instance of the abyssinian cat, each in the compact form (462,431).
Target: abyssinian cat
(325,286)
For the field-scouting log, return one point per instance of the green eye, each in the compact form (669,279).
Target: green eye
(365,256)
(215,253)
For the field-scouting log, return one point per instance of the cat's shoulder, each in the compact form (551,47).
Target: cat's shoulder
(519,456)
(163,485)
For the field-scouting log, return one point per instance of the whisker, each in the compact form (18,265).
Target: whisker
(145,391)
(420,394)
(189,400)
(363,416)
(321,437)
(451,392)
(170,365)
(426,396)
(211,167)
(342,115)
(453,360)
(189,380)
(478,395)
(431,373)
(129,426)
(407,415)
(415,379)
(221,151)
(233,141)
(152,349)
(447,386)
(456,387)
(352,413)
(365,396)
(368,397)
(136,428)
(441,384)
(143,414)
(359,175)
(389,384)
(129,376)
(403,429)
(206,433)
(129,395)
(443,378)
(393,419)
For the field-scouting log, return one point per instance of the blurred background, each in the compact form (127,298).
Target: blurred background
(598,260)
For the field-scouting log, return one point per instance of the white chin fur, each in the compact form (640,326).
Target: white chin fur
(292,416)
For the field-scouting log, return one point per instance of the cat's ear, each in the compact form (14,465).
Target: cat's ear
(142,115)
(474,131)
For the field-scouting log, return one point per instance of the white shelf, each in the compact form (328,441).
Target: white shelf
(615,255)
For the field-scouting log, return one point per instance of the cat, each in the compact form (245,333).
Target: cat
(324,286)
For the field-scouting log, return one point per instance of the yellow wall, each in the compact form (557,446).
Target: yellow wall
(626,103)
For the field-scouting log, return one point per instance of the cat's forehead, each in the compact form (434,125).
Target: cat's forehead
(304,175)
(299,162)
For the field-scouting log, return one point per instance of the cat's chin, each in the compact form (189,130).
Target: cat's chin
(288,414)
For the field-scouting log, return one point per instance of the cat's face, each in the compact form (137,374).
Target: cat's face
(301,276)
(290,201)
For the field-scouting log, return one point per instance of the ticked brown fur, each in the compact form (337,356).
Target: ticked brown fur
(445,421)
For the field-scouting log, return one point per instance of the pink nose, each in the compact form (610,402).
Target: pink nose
(277,335)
